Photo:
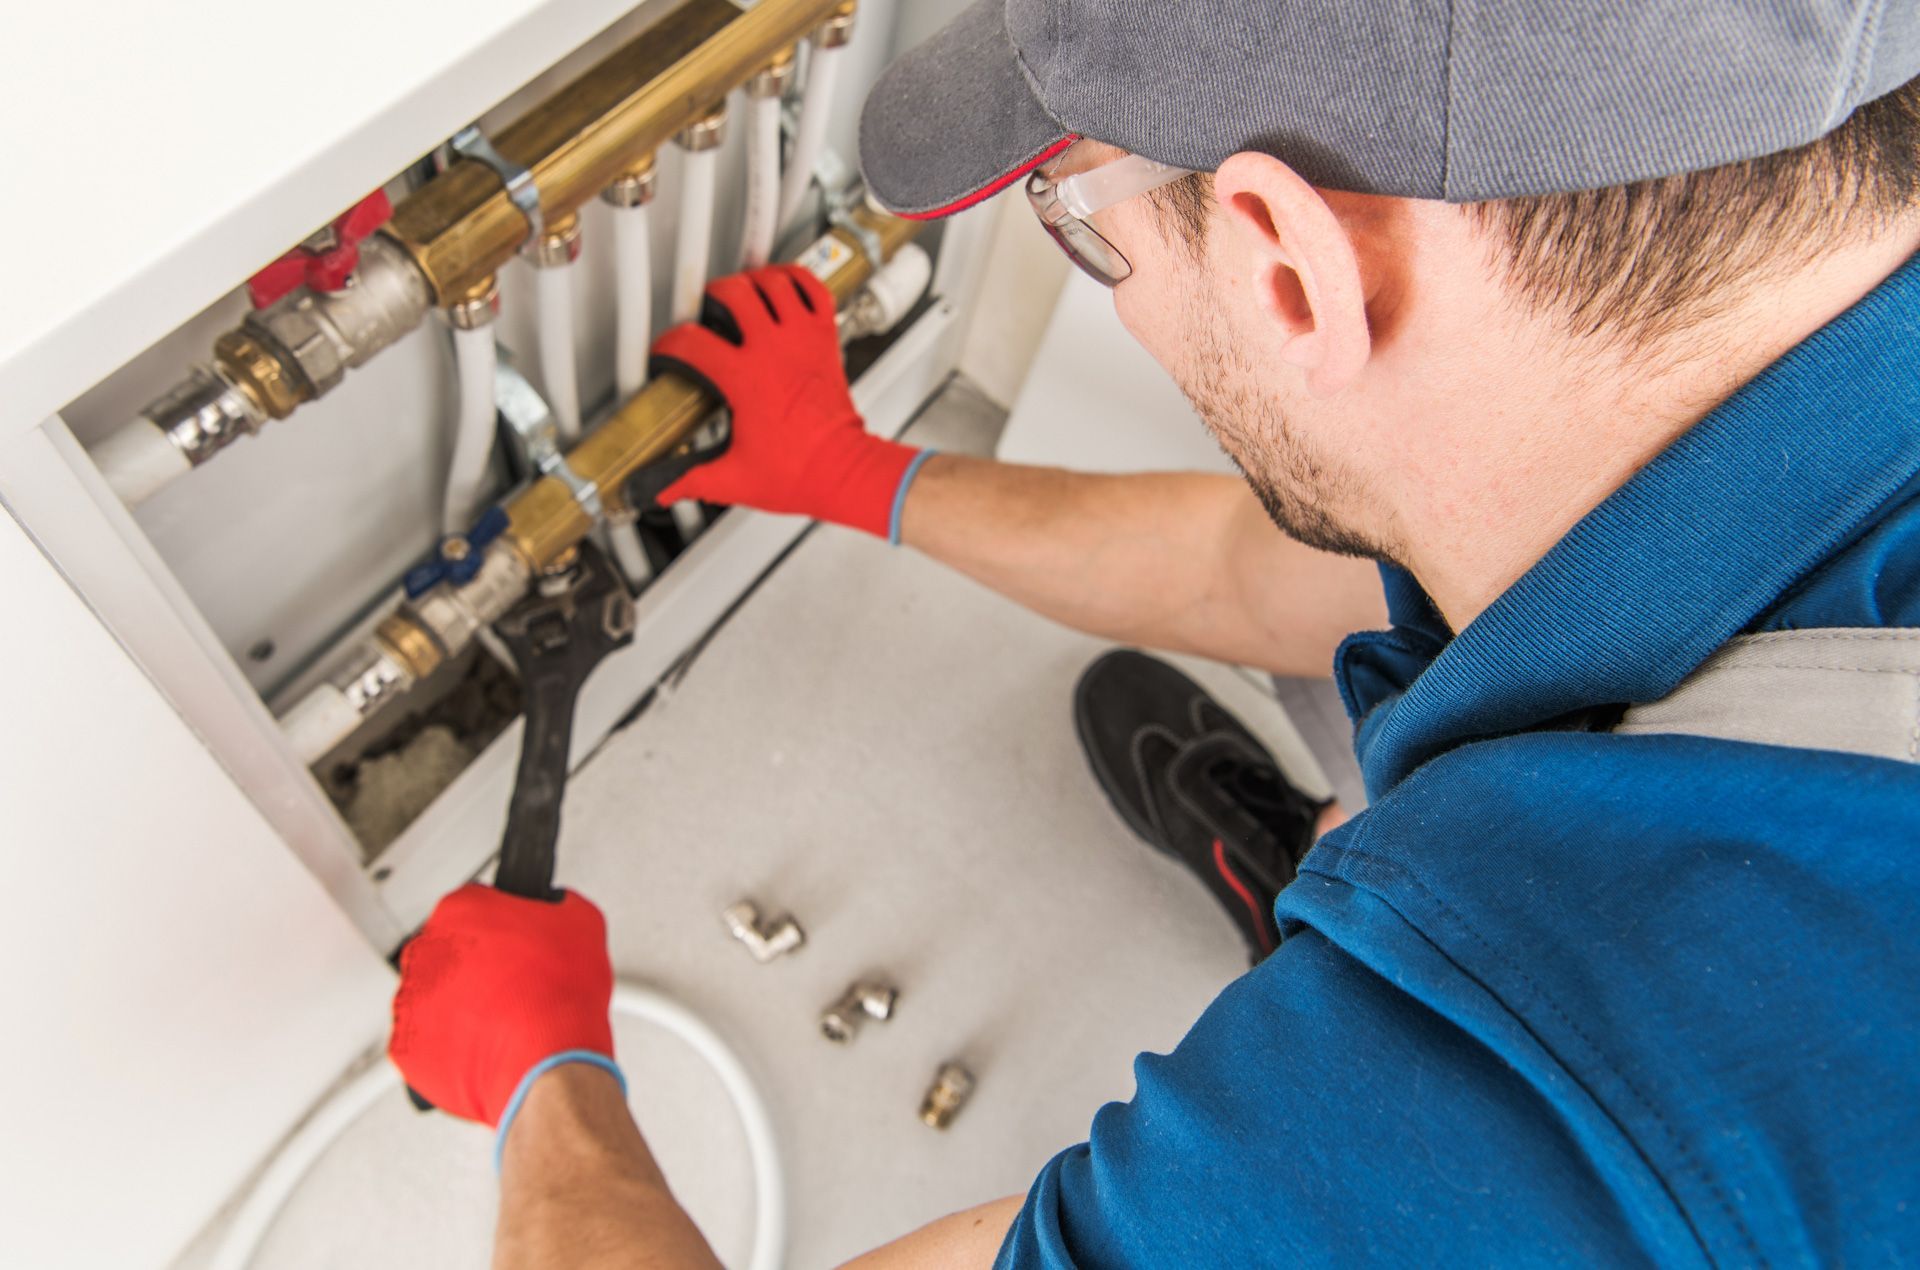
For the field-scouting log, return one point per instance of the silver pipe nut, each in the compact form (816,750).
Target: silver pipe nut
(558,245)
(203,414)
(765,938)
(774,79)
(706,133)
(836,31)
(631,189)
(863,1000)
(474,310)
(952,1086)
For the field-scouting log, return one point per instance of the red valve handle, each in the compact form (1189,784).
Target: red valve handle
(327,269)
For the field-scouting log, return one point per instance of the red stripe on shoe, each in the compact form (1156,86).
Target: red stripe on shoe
(1246,896)
(994,186)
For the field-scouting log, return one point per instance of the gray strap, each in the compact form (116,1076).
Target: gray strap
(1853,690)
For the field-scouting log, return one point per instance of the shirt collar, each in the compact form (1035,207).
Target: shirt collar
(1691,549)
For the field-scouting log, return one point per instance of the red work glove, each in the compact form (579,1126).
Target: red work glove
(493,987)
(798,445)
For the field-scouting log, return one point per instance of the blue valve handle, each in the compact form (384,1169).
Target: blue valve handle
(423,577)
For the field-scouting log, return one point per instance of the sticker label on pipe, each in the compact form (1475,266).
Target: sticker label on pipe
(827,254)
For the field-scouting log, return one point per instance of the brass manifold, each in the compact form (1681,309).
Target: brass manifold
(461,227)
(546,519)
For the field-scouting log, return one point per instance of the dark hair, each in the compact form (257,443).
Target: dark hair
(1640,261)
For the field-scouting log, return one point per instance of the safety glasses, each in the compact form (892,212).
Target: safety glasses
(1064,202)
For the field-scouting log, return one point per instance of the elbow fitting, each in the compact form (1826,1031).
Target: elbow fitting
(765,938)
(861,1001)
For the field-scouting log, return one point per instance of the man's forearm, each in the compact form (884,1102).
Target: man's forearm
(1169,560)
(578,1187)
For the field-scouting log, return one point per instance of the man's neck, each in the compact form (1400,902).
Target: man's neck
(1579,427)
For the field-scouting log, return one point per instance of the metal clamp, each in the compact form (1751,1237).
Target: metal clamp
(584,491)
(842,189)
(867,240)
(471,143)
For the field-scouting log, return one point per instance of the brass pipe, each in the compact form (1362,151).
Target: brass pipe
(461,226)
(545,519)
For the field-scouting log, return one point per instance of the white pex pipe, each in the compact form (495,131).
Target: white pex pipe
(628,551)
(633,298)
(816,105)
(632,334)
(694,244)
(335,1116)
(138,460)
(692,249)
(763,182)
(474,357)
(559,371)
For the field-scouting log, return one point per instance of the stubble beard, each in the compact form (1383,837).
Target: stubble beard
(1309,496)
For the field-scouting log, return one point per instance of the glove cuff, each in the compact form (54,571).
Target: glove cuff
(592,1058)
(866,476)
(900,494)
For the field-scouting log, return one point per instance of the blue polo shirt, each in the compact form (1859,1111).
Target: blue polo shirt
(1568,996)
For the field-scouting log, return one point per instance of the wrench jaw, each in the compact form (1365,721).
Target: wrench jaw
(557,635)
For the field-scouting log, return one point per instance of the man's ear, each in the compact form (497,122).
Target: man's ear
(1302,268)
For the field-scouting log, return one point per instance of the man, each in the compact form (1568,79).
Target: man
(1598,327)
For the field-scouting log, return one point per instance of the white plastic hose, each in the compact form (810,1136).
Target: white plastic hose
(318,722)
(763,1149)
(633,298)
(763,182)
(474,357)
(138,460)
(694,243)
(632,333)
(692,250)
(816,106)
(631,554)
(311,1140)
(559,373)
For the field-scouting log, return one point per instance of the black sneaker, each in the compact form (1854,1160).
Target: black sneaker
(1195,784)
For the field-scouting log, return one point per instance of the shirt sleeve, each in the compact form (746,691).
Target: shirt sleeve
(1316,1112)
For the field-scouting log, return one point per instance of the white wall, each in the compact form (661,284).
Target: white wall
(1023,277)
(177,988)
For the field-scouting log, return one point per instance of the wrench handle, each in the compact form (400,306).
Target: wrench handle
(533,817)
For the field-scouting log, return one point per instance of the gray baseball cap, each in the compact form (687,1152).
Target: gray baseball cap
(1442,99)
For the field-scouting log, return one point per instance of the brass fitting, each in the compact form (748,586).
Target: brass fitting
(952,1086)
(632,188)
(409,644)
(558,245)
(477,308)
(708,132)
(837,30)
(773,80)
(259,373)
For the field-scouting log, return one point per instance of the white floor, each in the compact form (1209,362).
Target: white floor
(883,749)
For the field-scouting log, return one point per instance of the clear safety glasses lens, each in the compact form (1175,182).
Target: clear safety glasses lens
(1095,256)
(1064,204)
